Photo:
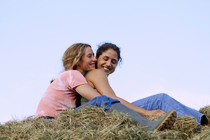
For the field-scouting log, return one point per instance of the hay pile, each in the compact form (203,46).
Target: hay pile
(95,124)
(206,110)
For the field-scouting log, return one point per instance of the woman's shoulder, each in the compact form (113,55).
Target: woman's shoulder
(96,73)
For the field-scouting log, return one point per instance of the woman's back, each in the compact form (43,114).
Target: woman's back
(61,94)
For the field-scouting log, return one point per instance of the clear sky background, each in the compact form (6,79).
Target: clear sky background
(165,47)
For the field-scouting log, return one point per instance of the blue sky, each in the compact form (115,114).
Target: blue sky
(165,48)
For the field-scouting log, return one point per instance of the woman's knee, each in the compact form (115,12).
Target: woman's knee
(164,96)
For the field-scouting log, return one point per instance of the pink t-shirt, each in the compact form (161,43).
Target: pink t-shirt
(61,94)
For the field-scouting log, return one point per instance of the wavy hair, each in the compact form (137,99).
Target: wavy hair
(73,55)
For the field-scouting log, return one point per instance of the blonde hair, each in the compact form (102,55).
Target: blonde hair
(73,55)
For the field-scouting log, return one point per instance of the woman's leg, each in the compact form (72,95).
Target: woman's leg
(166,103)
(165,122)
(110,105)
(100,101)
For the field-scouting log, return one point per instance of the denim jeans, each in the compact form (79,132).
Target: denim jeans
(166,103)
(109,105)
(100,101)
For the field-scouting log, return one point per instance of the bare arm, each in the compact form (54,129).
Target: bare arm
(87,91)
(98,79)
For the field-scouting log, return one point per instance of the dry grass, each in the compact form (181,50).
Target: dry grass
(95,124)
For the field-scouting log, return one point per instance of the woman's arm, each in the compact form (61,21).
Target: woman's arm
(87,91)
(98,79)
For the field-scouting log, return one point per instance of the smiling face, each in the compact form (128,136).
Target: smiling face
(108,61)
(87,62)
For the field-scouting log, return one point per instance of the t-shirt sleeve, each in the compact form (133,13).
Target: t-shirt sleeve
(75,78)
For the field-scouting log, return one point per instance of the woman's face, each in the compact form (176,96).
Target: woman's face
(87,62)
(108,61)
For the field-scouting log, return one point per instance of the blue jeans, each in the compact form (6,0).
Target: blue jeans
(100,101)
(109,105)
(166,103)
